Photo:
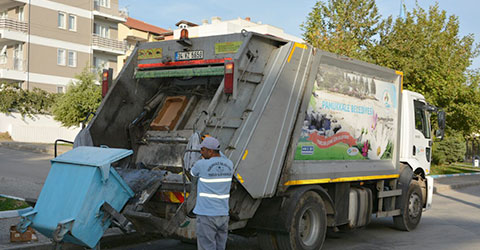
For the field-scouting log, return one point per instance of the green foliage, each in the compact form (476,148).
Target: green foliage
(425,45)
(451,149)
(344,27)
(82,97)
(427,48)
(27,103)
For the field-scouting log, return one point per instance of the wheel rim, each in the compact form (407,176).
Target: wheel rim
(309,227)
(414,206)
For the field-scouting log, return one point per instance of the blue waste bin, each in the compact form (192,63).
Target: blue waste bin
(80,181)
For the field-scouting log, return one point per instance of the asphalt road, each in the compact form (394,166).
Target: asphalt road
(452,223)
(22,173)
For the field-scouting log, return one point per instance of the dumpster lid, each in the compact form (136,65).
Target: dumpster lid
(94,156)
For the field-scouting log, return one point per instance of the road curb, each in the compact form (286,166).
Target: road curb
(26,147)
(32,147)
(453,175)
(111,240)
(14,213)
(438,188)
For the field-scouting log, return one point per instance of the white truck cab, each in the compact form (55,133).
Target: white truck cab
(416,138)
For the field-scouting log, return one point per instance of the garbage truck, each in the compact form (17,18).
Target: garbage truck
(319,142)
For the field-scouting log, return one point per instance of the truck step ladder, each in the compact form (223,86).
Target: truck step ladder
(393,193)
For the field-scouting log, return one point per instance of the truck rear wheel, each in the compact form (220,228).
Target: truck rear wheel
(267,240)
(411,210)
(308,225)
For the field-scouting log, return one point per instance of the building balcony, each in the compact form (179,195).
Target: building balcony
(11,3)
(13,30)
(108,45)
(13,69)
(110,13)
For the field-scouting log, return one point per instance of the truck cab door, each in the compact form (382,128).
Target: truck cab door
(422,139)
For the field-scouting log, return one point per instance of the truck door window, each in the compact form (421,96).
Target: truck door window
(421,119)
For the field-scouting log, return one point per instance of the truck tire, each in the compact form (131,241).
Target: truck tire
(308,225)
(411,210)
(267,240)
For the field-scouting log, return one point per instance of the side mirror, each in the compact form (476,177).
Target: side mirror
(441,125)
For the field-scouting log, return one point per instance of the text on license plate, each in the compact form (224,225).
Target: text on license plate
(188,55)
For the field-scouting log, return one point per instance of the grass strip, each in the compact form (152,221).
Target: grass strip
(452,169)
(11,204)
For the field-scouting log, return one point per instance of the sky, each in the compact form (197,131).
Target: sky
(288,15)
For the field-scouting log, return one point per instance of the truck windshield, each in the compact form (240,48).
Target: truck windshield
(421,119)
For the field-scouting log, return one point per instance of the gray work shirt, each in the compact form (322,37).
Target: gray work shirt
(213,188)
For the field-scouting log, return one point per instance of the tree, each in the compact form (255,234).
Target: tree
(343,27)
(27,103)
(82,96)
(452,149)
(427,48)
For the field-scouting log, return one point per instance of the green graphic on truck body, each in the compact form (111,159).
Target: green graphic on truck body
(350,117)
(154,53)
(228,47)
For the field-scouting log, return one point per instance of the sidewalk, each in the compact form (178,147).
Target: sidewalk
(45,148)
(442,184)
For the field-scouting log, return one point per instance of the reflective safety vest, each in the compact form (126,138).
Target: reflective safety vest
(213,187)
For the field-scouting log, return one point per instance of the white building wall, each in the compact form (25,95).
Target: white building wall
(218,27)
(40,129)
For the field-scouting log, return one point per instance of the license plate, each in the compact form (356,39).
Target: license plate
(188,55)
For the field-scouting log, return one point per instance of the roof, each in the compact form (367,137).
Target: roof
(143,26)
(187,23)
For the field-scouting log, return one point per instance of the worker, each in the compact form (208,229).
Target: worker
(215,173)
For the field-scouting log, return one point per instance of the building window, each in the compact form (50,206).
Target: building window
(103,3)
(101,30)
(4,14)
(72,22)
(61,57)
(3,55)
(59,89)
(21,14)
(100,63)
(72,58)
(18,57)
(61,20)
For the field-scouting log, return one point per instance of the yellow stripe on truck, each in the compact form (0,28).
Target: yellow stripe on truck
(401,78)
(344,179)
(245,155)
(296,45)
(240,178)
(173,198)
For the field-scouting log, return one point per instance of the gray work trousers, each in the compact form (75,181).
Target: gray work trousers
(212,232)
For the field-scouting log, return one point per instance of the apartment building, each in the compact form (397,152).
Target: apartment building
(134,31)
(45,43)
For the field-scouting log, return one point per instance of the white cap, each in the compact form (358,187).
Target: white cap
(210,143)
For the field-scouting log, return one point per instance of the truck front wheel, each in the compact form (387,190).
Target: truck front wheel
(411,209)
(307,224)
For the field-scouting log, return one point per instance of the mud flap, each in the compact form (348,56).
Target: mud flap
(430,182)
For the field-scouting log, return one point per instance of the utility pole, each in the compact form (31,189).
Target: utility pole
(402,12)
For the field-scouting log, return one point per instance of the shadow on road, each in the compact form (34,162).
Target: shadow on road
(460,200)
